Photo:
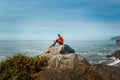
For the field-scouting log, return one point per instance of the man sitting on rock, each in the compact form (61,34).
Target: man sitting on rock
(59,40)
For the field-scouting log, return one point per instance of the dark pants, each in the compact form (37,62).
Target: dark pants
(56,42)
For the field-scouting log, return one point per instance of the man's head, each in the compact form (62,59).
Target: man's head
(58,34)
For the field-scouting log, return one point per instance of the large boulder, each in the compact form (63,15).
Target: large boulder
(57,50)
(63,57)
(67,61)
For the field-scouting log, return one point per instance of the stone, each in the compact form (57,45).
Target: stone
(62,49)
(115,54)
(63,57)
(58,49)
(67,61)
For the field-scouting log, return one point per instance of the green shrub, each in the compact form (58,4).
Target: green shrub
(21,67)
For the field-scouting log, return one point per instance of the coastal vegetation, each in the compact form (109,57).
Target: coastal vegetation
(21,67)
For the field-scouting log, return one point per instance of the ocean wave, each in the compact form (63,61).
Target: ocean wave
(29,50)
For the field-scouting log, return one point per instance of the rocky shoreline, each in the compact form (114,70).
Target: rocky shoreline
(65,64)
(58,62)
(115,54)
(63,57)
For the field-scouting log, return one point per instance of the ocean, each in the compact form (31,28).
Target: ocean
(94,51)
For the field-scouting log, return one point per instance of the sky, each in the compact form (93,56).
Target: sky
(73,19)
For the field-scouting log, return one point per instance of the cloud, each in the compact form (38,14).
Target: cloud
(20,10)
(77,18)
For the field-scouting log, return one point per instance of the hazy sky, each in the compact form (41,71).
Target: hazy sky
(73,19)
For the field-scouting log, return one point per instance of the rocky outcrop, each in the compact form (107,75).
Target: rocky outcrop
(67,61)
(64,64)
(78,74)
(116,58)
(115,54)
(59,49)
(107,72)
(63,57)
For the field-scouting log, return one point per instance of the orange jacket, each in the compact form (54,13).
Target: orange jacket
(60,39)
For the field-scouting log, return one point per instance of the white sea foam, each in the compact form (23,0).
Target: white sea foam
(93,51)
(115,63)
(100,54)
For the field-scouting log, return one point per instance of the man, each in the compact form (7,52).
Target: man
(59,40)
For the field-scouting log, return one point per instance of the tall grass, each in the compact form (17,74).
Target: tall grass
(21,67)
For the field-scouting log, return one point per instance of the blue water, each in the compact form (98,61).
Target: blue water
(93,51)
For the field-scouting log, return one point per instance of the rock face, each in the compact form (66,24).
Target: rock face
(59,49)
(107,72)
(63,57)
(49,74)
(115,54)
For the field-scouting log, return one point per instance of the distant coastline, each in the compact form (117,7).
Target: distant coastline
(115,38)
